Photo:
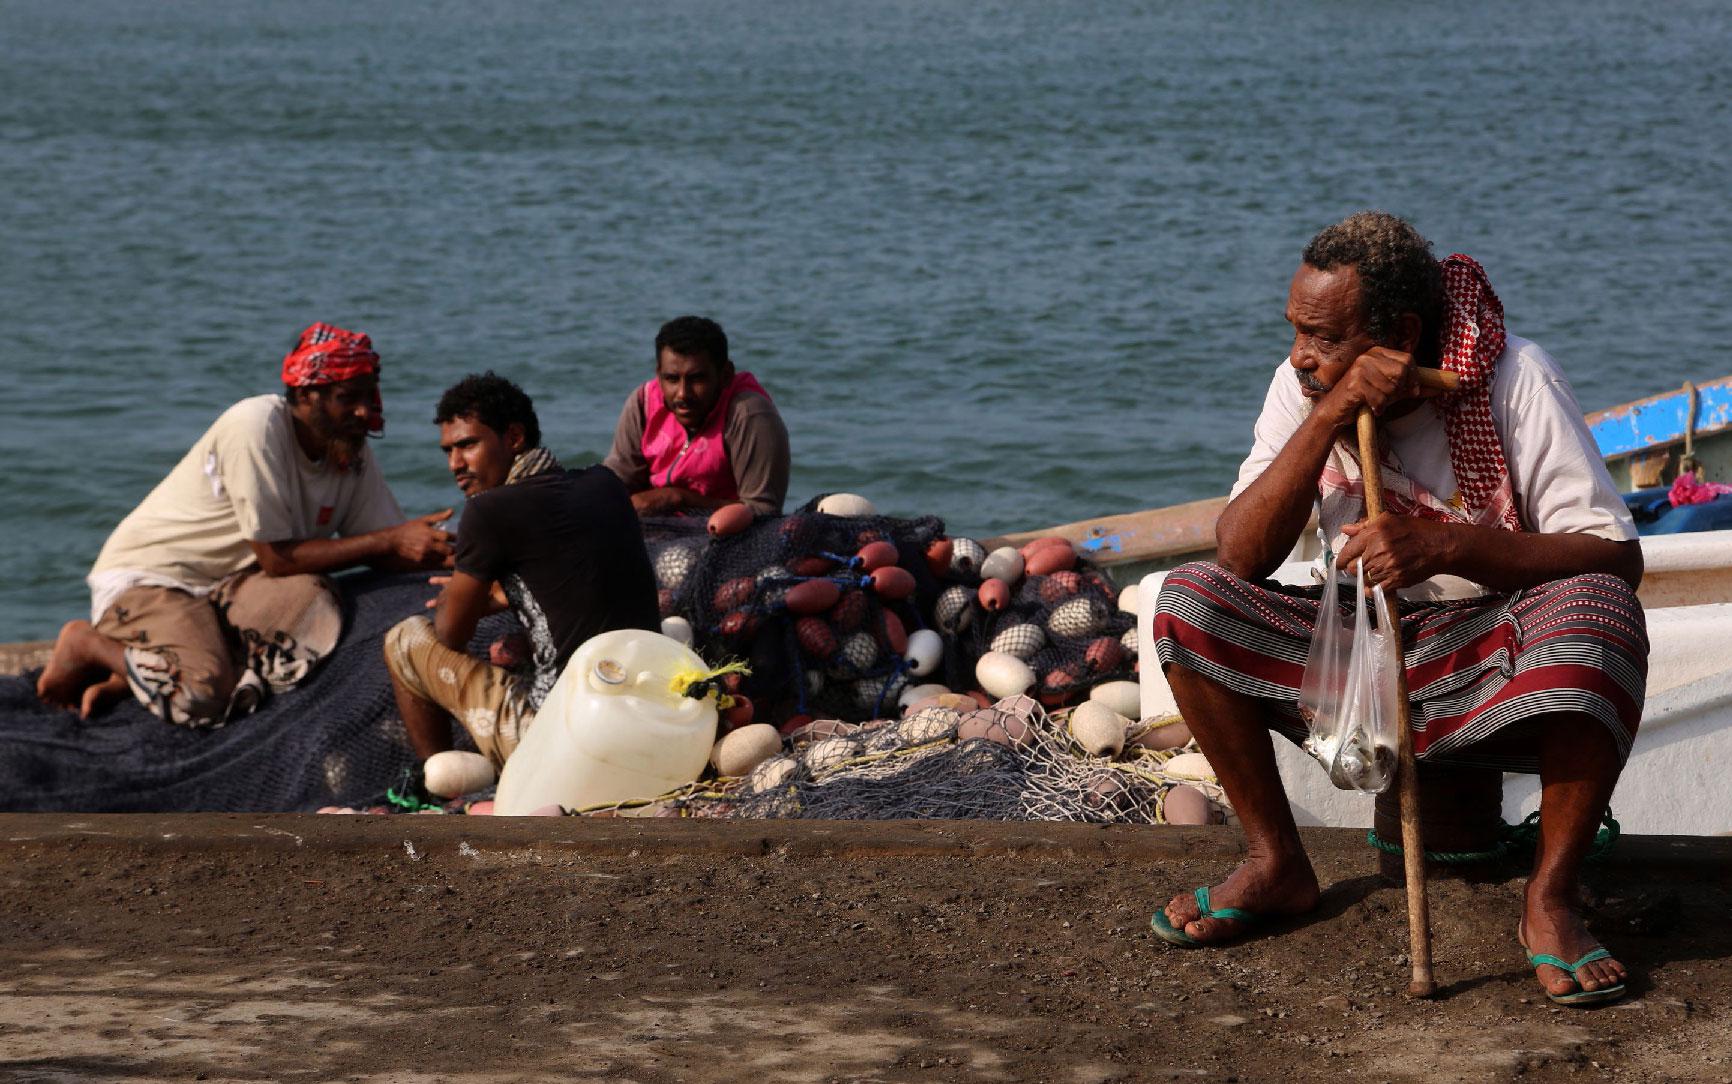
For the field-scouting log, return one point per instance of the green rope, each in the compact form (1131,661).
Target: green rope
(1513,837)
(408,801)
(1443,858)
(410,795)
(1527,834)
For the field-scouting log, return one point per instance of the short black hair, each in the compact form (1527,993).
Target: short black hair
(1397,271)
(694,335)
(493,401)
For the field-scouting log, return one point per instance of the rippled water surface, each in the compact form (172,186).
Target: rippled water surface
(1013,264)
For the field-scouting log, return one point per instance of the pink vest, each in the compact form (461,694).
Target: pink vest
(698,462)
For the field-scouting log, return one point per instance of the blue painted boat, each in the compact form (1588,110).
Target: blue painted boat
(1645,441)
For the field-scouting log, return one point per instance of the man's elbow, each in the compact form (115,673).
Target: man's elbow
(1241,557)
(1242,565)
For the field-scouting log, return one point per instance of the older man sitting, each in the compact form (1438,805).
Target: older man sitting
(1515,558)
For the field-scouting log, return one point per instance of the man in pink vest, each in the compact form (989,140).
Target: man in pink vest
(700,435)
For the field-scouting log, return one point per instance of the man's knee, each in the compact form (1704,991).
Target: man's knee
(411,653)
(191,689)
(286,625)
(1183,590)
(405,646)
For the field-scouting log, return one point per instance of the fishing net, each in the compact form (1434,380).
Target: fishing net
(841,651)
(839,660)
(847,658)
(878,727)
(1066,626)
(1010,762)
(335,738)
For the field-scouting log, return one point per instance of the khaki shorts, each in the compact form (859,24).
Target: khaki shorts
(200,661)
(489,701)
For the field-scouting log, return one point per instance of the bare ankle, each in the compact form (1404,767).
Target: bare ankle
(1552,895)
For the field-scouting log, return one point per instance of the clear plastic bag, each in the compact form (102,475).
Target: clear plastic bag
(1350,696)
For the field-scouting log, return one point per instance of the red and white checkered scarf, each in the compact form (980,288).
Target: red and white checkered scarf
(1472,340)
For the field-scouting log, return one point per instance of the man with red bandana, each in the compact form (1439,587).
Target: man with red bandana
(212,592)
(699,435)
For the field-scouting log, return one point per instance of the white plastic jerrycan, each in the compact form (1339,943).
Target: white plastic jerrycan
(612,728)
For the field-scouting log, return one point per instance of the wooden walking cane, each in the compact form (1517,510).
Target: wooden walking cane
(1406,775)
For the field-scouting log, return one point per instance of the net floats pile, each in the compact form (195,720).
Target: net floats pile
(839,611)
(1044,622)
(1109,775)
(824,605)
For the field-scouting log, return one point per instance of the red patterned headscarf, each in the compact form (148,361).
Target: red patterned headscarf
(1472,339)
(327,354)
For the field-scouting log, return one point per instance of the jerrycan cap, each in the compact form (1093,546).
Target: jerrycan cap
(609,672)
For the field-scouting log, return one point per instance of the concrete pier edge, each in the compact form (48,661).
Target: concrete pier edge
(553,839)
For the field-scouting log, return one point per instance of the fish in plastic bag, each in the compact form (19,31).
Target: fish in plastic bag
(1349,696)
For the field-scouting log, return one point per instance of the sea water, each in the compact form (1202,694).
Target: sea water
(1009,263)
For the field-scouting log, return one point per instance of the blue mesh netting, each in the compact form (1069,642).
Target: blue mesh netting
(334,740)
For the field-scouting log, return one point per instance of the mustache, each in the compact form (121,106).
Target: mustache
(1309,382)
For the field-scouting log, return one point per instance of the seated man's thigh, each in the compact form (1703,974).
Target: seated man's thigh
(178,657)
(483,697)
(285,624)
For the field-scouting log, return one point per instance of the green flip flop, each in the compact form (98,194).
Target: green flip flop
(1580,997)
(1176,935)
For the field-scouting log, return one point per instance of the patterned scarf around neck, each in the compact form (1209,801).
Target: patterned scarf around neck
(1473,340)
(531,463)
(536,680)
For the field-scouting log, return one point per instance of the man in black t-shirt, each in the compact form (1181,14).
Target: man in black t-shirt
(562,549)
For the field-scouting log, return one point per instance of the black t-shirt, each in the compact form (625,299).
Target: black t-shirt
(568,549)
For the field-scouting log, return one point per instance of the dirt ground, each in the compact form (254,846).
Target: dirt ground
(469,949)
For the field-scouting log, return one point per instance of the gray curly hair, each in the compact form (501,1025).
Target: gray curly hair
(1397,272)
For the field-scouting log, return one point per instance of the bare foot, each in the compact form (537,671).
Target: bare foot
(72,668)
(99,696)
(1262,886)
(1555,927)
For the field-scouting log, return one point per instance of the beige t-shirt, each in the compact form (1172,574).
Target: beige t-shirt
(1560,481)
(246,479)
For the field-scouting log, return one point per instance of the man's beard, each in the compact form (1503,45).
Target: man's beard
(345,451)
(343,446)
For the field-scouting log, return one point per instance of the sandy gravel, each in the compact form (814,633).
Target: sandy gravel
(468,949)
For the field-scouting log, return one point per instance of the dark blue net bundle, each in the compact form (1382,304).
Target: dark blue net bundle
(335,740)
(840,661)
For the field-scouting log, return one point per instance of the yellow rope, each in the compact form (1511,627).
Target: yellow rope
(683,681)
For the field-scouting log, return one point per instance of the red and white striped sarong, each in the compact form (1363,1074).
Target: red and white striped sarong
(1475,668)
